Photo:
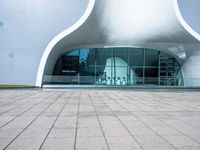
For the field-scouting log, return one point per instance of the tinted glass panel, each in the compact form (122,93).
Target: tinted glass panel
(116,67)
(151,57)
(136,57)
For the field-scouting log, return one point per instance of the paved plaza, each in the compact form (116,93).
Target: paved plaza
(99,120)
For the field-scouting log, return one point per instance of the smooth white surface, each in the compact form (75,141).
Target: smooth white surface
(58,38)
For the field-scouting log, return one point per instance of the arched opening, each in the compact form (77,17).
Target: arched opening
(115,67)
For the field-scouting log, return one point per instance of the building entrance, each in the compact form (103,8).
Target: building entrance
(116,67)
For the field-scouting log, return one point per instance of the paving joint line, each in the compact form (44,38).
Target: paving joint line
(55,121)
(99,121)
(145,124)
(123,124)
(19,99)
(18,105)
(41,101)
(76,131)
(169,125)
(33,121)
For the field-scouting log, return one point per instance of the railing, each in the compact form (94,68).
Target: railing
(69,80)
(121,81)
(192,82)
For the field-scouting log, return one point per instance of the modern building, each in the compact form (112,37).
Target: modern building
(100,42)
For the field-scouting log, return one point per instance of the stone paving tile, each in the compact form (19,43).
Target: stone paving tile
(181,141)
(25,144)
(141,131)
(91,143)
(89,132)
(62,133)
(115,131)
(86,122)
(166,130)
(123,143)
(33,132)
(19,123)
(65,122)
(4,142)
(58,144)
(99,119)
(9,132)
(153,143)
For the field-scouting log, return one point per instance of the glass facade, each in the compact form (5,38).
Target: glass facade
(116,67)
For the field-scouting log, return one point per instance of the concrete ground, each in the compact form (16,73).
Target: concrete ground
(99,120)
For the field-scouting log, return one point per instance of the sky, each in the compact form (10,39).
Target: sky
(190,10)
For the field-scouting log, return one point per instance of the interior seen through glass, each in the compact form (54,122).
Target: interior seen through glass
(116,67)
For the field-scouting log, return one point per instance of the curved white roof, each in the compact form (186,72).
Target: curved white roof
(129,23)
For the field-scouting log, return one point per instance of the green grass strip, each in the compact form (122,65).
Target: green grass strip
(14,86)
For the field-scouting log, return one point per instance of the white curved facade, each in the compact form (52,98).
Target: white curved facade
(157,24)
(130,23)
